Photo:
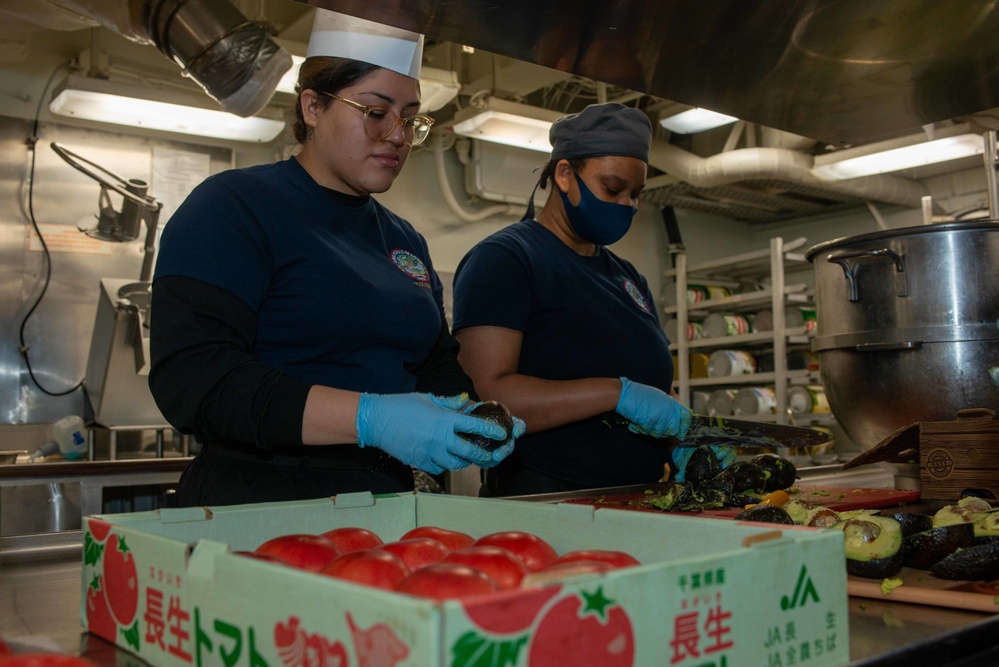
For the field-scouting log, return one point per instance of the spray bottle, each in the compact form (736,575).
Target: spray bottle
(68,438)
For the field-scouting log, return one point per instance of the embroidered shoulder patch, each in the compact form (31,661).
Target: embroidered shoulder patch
(636,296)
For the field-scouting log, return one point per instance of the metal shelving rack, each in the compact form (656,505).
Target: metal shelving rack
(774,263)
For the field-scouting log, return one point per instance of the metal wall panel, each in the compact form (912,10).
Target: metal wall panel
(58,332)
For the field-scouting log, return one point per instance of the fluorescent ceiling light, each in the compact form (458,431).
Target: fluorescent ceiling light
(507,123)
(840,167)
(165,110)
(696,120)
(437,86)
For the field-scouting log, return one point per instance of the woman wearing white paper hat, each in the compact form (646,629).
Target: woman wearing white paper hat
(297,325)
(562,330)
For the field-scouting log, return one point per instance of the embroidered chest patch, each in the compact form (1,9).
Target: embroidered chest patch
(412,266)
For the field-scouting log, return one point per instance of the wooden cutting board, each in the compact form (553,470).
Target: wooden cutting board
(836,498)
(921,587)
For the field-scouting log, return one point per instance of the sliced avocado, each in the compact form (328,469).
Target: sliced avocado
(912,522)
(821,517)
(797,510)
(923,550)
(873,546)
(780,473)
(977,563)
(951,514)
(765,514)
(851,514)
(987,525)
(974,503)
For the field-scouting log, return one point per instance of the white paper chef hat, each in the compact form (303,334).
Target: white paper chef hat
(343,36)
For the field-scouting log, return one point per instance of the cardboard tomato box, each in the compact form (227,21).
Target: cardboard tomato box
(166,586)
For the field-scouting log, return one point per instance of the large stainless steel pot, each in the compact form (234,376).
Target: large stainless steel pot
(906,325)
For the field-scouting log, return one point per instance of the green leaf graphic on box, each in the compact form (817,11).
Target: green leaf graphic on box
(92,549)
(132,636)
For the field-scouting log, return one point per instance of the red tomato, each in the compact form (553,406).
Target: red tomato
(536,553)
(306,552)
(615,558)
(349,538)
(44,660)
(505,568)
(99,619)
(570,633)
(442,581)
(372,567)
(452,539)
(121,584)
(417,552)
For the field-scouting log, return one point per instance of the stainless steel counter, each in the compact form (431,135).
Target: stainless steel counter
(40,606)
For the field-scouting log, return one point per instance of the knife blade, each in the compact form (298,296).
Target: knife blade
(706,430)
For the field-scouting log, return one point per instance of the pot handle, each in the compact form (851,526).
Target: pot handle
(842,258)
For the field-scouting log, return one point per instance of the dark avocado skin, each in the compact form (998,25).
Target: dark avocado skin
(912,522)
(702,466)
(740,478)
(876,568)
(496,413)
(924,549)
(781,473)
(977,563)
(765,514)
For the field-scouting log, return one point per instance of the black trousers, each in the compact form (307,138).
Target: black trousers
(224,475)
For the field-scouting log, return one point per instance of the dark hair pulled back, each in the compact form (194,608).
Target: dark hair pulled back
(548,173)
(325,74)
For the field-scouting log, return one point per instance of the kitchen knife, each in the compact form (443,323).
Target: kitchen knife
(740,432)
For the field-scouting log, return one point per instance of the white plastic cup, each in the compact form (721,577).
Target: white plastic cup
(71,436)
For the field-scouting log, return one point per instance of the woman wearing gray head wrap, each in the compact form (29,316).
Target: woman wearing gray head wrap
(563,331)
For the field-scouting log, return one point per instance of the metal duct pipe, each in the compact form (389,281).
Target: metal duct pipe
(777,164)
(232,58)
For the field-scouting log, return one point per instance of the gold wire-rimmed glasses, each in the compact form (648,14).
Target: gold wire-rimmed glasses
(379,122)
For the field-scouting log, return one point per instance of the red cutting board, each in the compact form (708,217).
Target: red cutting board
(836,498)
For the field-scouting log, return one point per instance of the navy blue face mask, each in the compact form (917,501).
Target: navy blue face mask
(595,220)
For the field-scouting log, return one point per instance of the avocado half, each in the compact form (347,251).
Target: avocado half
(873,546)
(977,563)
(924,549)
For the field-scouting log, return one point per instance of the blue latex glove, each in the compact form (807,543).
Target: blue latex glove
(652,411)
(500,453)
(420,430)
(724,453)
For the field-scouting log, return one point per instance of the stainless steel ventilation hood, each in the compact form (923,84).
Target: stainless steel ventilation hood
(843,72)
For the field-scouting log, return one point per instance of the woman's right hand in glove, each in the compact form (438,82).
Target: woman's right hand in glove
(652,411)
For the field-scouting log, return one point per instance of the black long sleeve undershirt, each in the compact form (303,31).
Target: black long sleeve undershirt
(207,382)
